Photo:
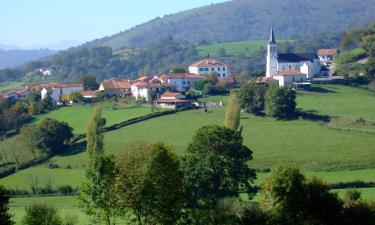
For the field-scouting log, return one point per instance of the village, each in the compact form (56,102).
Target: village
(169,90)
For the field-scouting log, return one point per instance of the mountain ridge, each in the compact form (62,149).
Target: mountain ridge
(242,19)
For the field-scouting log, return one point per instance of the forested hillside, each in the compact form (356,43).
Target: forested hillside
(247,19)
(11,58)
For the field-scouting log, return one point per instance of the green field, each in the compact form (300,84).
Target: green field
(332,154)
(78,115)
(309,145)
(249,47)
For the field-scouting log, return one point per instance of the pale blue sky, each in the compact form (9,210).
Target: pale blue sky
(27,22)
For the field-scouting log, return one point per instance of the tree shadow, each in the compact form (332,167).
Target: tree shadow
(73,149)
(319,90)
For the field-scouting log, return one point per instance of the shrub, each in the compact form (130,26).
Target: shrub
(39,214)
(65,189)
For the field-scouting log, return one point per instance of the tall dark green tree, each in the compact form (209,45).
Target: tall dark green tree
(216,166)
(280,102)
(5,217)
(89,82)
(97,193)
(251,97)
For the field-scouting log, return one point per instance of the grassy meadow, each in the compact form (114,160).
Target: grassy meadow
(319,150)
(78,115)
(249,47)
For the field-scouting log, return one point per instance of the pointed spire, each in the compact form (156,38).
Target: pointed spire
(272,37)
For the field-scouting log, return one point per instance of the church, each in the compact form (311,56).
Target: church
(297,63)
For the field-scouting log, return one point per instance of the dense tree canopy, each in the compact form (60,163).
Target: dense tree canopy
(216,166)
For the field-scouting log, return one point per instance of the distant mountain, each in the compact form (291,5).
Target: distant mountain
(7,47)
(11,58)
(247,19)
(60,45)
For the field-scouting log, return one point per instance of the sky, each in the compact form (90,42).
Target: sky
(30,22)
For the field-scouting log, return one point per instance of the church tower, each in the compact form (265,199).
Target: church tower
(271,56)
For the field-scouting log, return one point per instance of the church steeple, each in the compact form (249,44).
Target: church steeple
(272,37)
(272,54)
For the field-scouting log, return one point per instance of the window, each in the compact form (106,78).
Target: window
(201,69)
(188,82)
(224,75)
(218,75)
(205,69)
(218,69)
(223,68)
(290,67)
(212,69)
(183,82)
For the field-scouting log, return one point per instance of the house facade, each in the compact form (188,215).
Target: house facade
(143,90)
(182,81)
(326,56)
(115,87)
(173,100)
(289,77)
(307,63)
(207,66)
(56,90)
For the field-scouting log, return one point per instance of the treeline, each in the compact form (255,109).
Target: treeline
(358,44)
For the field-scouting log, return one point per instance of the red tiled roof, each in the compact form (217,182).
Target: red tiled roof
(181,75)
(116,83)
(88,93)
(173,100)
(332,51)
(151,85)
(290,72)
(170,94)
(208,62)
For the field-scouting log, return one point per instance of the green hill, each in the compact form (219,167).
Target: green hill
(242,19)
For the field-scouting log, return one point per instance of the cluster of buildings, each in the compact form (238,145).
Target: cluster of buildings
(165,89)
(283,69)
(294,69)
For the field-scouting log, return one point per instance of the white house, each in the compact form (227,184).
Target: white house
(45,71)
(326,56)
(290,77)
(182,81)
(173,100)
(307,63)
(207,66)
(144,90)
(56,90)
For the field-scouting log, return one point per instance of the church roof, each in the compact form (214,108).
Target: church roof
(272,37)
(296,57)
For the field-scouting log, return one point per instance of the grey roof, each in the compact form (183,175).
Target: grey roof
(272,37)
(296,57)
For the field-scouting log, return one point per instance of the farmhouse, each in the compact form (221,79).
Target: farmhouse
(146,88)
(173,100)
(115,87)
(326,56)
(182,81)
(307,63)
(207,66)
(290,77)
(56,90)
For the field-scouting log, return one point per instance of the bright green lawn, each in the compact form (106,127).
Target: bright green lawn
(339,101)
(66,205)
(306,144)
(232,48)
(78,115)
